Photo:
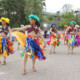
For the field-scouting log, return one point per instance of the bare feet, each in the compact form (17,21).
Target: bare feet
(54,52)
(34,70)
(4,62)
(68,53)
(50,51)
(24,72)
(71,52)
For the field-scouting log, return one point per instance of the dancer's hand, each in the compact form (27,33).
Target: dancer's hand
(12,29)
(72,33)
(53,33)
(44,44)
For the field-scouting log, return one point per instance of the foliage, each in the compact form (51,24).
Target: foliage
(19,10)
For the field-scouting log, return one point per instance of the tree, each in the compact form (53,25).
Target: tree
(67,8)
(66,18)
(35,7)
(14,10)
(19,10)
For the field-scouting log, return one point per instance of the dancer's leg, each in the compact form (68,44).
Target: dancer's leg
(33,67)
(24,65)
(72,50)
(51,49)
(68,48)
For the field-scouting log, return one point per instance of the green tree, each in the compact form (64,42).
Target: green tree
(66,18)
(67,8)
(35,7)
(14,10)
(19,10)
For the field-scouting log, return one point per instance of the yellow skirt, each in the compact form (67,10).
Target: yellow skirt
(5,47)
(33,43)
(54,39)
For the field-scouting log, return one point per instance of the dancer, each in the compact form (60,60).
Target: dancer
(5,45)
(54,38)
(77,27)
(64,32)
(78,35)
(71,35)
(30,43)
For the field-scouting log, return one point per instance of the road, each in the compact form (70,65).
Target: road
(59,66)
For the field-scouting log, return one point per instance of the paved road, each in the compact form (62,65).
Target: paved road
(59,66)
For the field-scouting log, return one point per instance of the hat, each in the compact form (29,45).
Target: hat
(66,26)
(73,22)
(34,17)
(54,25)
(77,26)
(4,19)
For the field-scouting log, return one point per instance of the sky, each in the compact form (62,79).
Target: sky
(56,5)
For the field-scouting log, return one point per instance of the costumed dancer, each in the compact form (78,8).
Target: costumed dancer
(54,37)
(5,45)
(77,27)
(78,35)
(30,43)
(64,32)
(72,35)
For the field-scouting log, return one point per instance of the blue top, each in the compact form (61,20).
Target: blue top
(4,30)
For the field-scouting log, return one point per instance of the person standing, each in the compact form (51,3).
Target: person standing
(5,45)
(30,43)
(54,39)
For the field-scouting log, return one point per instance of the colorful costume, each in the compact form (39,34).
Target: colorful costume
(5,45)
(74,40)
(33,47)
(77,27)
(63,35)
(54,38)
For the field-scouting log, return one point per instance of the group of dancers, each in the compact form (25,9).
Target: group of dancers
(32,43)
(71,36)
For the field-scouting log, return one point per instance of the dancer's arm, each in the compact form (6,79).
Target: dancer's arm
(22,28)
(41,36)
(51,31)
(10,34)
(67,30)
(74,32)
(77,32)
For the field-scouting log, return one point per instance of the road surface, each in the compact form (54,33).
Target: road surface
(59,66)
